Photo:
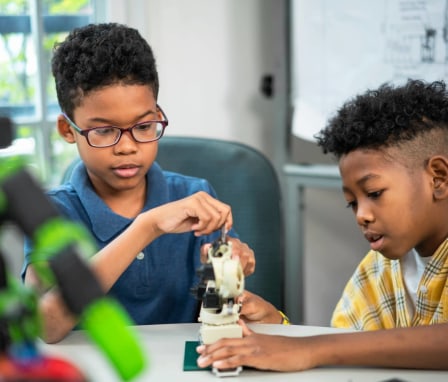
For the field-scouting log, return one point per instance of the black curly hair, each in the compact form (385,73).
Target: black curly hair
(388,116)
(99,55)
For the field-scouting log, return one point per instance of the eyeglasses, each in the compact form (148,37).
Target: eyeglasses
(106,136)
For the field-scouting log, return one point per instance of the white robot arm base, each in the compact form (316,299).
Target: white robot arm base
(219,313)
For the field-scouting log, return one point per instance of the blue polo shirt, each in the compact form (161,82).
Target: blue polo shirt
(155,288)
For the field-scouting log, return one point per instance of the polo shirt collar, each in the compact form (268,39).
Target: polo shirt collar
(106,224)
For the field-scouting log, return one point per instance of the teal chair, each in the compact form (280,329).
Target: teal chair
(246,180)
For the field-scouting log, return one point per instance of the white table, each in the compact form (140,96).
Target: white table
(165,347)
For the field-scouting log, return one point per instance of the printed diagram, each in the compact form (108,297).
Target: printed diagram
(389,41)
(428,45)
(416,32)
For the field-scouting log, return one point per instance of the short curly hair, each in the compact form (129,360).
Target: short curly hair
(388,116)
(99,55)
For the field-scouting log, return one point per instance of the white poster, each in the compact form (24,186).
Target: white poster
(344,47)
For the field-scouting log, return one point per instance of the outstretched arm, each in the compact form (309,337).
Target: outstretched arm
(199,213)
(422,347)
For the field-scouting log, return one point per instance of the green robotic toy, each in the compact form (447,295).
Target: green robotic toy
(61,250)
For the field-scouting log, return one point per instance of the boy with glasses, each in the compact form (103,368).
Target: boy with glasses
(151,226)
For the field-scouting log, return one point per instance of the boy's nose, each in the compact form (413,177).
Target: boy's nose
(126,142)
(363,216)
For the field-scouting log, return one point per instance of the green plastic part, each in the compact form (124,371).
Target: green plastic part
(111,329)
(51,238)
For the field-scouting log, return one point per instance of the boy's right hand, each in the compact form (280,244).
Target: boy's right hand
(200,213)
(261,351)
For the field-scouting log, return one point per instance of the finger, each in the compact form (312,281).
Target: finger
(229,363)
(200,349)
(207,219)
(247,294)
(220,360)
(204,252)
(245,297)
(227,354)
(246,330)
(224,210)
(247,309)
(218,350)
(248,265)
(246,255)
(211,213)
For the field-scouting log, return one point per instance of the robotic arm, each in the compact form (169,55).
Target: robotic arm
(222,281)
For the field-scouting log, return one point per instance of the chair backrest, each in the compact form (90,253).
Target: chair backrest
(246,180)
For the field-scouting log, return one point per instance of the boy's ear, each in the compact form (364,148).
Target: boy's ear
(438,167)
(65,130)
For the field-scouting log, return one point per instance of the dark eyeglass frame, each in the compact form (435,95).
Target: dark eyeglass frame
(85,132)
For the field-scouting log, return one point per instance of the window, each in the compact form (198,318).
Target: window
(28,31)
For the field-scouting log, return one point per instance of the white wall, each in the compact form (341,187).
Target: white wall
(211,56)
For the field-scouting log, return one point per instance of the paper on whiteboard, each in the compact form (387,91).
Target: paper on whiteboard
(341,48)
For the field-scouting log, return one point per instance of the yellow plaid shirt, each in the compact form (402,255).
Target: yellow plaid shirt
(375,296)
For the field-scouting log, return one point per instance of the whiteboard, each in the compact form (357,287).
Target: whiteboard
(343,47)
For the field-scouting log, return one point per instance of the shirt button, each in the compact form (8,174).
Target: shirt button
(423,289)
(141,256)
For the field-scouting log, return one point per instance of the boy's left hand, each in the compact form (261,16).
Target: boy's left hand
(239,250)
(255,309)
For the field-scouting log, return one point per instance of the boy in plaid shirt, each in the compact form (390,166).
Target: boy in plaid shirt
(392,149)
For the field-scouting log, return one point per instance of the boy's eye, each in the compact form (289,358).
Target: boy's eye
(372,195)
(145,126)
(351,204)
(375,194)
(105,130)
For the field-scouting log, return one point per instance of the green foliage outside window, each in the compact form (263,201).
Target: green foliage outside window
(22,76)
